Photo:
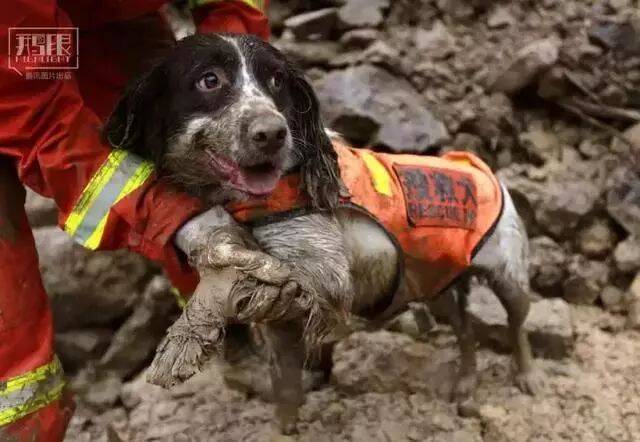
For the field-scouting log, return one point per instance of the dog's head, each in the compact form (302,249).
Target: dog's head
(227,115)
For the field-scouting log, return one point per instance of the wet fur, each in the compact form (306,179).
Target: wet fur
(333,260)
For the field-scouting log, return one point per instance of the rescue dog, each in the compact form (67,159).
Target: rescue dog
(232,121)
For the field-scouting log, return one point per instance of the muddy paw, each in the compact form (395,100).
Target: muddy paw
(177,359)
(530,382)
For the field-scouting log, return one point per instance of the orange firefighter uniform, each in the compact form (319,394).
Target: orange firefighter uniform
(107,199)
(438,210)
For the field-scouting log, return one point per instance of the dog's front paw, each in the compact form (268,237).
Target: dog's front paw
(179,357)
(531,381)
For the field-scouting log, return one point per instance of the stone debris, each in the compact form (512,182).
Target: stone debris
(315,25)
(370,106)
(549,324)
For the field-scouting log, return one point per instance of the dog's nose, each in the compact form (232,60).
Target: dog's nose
(268,133)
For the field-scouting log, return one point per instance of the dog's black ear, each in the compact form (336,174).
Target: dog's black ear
(136,122)
(319,166)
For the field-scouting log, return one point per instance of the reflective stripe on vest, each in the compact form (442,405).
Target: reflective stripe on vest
(256,4)
(119,175)
(29,392)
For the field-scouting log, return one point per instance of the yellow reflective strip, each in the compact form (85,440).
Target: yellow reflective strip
(52,368)
(92,190)
(180,300)
(137,179)
(256,4)
(12,414)
(379,174)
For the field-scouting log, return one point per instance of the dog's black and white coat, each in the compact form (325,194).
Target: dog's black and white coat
(225,116)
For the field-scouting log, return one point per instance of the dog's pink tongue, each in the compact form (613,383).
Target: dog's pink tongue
(257,183)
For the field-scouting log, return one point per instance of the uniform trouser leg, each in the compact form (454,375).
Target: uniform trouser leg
(33,404)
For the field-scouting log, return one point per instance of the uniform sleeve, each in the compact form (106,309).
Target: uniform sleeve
(107,199)
(236,16)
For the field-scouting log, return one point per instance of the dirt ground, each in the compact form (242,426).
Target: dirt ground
(591,396)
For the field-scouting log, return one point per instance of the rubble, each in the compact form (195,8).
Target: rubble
(597,239)
(549,324)
(135,342)
(627,255)
(623,199)
(315,25)
(527,64)
(87,288)
(585,280)
(633,303)
(408,365)
(370,106)
(361,13)
(547,265)
(76,347)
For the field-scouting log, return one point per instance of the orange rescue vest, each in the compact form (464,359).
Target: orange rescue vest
(438,209)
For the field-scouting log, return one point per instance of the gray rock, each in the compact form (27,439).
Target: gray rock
(627,255)
(547,262)
(280,10)
(633,135)
(540,145)
(314,25)
(548,324)
(633,304)
(514,75)
(103,392)
(87,288)
(437,43)
(41,211)
(76,347)
(623,199)
(361,13)
(564,203)
(613,299)
(370,106)
(359,38)
(596,239)
(383,361)
(308,53)
(136,340)
(415,322)
(456,9)
(585,280)
(621,37)
(500,17)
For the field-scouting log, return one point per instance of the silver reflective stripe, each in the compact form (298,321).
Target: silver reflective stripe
(107,197)
(27,393)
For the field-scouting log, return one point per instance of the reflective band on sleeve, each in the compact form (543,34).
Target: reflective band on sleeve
(119,175)
(379,174)
(256,4)
(30,392)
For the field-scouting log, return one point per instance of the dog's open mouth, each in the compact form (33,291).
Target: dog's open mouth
(257,179)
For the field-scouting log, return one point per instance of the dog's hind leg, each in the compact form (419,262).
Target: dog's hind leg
(286,359)
(453,306)
(504,260)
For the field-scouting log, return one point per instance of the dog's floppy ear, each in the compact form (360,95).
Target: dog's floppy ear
(136,123)
(319,166)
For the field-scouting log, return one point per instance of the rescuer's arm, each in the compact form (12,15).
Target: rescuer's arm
(107,199)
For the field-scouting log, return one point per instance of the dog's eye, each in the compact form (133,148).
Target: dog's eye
(208,82)
(275,83)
